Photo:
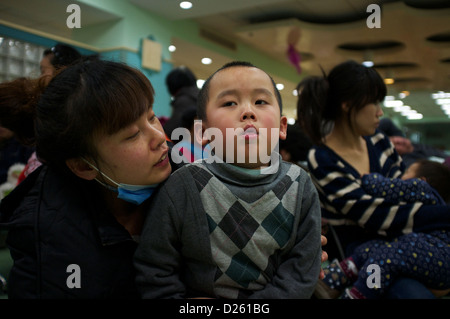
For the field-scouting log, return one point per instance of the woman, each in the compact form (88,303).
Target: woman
(74,223)
(340,113)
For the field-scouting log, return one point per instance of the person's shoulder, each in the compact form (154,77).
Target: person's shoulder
(185,172)
(321,155)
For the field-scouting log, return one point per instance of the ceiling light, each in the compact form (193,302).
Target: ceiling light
(403,94)
(200,83)
(295,93)
(172,48)
(206,61)
(392,103)
(280,86)
(186,5)
(442,101)
(415,116)
(388,81)
(291,121)
(402,108)
(440,95)
(368,64)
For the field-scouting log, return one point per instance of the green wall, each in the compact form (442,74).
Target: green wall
(120,39)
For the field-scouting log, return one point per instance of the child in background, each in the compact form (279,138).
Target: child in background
(224,228)
(424,256)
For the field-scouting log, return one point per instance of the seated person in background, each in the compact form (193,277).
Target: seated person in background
(296,146)
(341,112)
(187,148)
(11,150)
(57,57)
(410,152)
(423,256)
(182,86)
(224,228)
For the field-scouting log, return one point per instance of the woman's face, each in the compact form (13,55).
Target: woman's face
(137,154)
(367,119)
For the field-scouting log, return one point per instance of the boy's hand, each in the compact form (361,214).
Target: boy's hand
(324,256)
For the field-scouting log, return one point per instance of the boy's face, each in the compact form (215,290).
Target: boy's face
(243,100)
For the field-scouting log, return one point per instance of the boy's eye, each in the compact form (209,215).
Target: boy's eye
(229,103)
(261,102)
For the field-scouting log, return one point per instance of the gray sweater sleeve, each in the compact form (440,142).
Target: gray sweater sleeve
(298,271)
(173,254)
(157,259)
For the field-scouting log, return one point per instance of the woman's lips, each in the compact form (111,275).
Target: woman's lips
(163,161)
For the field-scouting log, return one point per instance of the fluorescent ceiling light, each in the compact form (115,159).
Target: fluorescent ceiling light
(186,5)
(206,61)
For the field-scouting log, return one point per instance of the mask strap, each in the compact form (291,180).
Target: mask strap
(104,175)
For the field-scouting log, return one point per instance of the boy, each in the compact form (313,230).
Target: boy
(233,226)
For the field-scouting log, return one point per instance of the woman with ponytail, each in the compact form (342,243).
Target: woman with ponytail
(74,223)
(341,112)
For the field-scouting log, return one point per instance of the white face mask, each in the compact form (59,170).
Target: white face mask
(135,194)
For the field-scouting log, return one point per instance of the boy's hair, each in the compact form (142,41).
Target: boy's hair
(437,175)
(203,95)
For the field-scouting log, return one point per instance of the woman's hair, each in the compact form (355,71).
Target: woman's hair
(18,100)
(437,175)
(82,101)
(320,99)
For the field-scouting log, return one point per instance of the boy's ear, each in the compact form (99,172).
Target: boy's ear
(283,127)
(82,169)
(199,128)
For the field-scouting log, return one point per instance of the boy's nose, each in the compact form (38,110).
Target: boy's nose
(248,114)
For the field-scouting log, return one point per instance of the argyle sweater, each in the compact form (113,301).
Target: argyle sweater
(345,202)
(215,230)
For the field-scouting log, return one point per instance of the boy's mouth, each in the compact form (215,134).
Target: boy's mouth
(250,132)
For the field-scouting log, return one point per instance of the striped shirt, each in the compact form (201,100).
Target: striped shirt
(345,202)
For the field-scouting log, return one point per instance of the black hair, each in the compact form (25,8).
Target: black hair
(178,78)
(320,99)
(203,95)
(437,175)
(63,55)
(82,101)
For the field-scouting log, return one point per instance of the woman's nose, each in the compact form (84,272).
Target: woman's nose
(157,136)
